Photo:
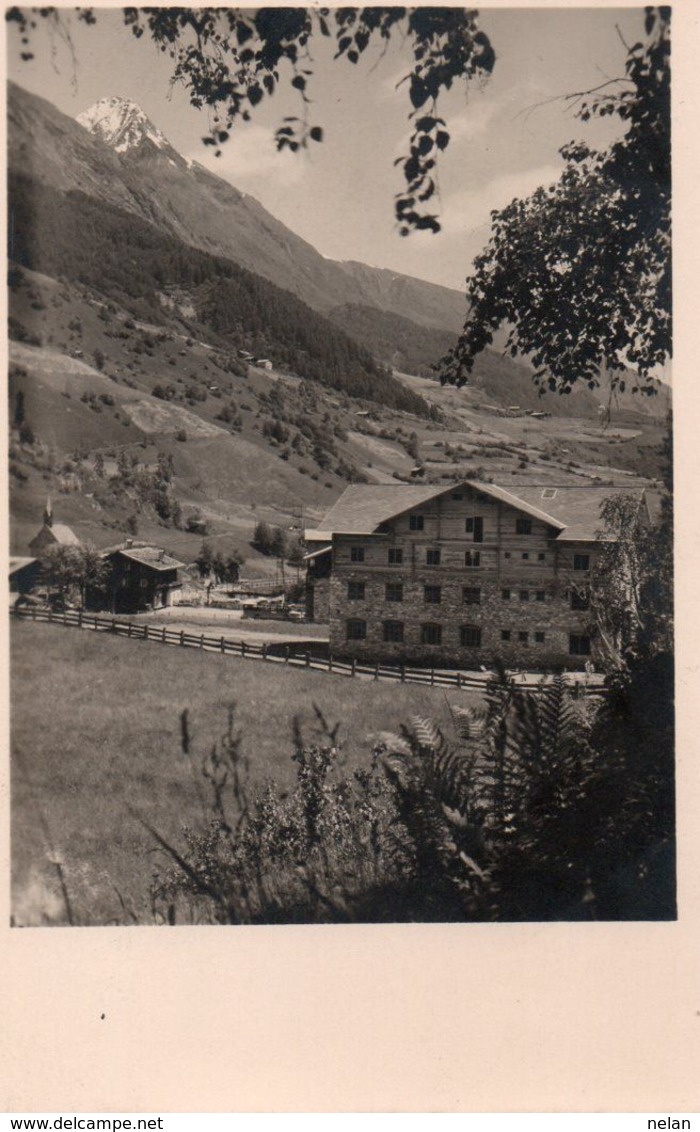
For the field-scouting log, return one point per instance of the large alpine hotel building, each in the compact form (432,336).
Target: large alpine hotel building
(459,574)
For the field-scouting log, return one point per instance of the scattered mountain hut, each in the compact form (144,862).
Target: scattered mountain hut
(141,578)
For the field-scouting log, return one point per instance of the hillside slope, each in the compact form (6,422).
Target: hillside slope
(184,199)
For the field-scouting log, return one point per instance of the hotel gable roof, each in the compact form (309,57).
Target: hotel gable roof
(572,511)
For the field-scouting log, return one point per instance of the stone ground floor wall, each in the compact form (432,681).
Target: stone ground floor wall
(552,617)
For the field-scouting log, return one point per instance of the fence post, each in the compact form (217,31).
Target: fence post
(33,613)
(432,677)
(242,648)
(264,652)
(182,636)
(330,662)
(128,632)
(286,654)
(376,671)
(80,618)
(307,659)
(50,615)
(223,646)
(354,663)
(459,679)
(163,635)
(201,642)
(403,674)
(95,625)
(114,624)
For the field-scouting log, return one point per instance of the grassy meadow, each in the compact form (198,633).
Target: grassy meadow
(96,742)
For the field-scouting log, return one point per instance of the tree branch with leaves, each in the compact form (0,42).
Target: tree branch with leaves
(580,272)
(229,60)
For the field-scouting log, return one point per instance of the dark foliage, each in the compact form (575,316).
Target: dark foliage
(231,59)
(121,256)
(580,272)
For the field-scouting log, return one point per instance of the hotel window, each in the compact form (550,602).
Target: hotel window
(526,554)
(432,557)
(471,595)
(523,637)
(541,556)
(582,562)
(432,595)
(394,591)
(470,636)
(356,630)
(524,595)
(505,634)
(415,522)
(505,594)
(357,553)
(523,526)
(395,557)
(356,591)
(580,599)
(393,632)
(579,645)
(431,634)
(474,526)
(506,554)
(539,637)
(540,595)
(472,558)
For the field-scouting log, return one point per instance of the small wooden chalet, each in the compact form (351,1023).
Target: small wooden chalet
(141,577)
(24,575)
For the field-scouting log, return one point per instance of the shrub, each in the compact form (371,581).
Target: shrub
(538,811)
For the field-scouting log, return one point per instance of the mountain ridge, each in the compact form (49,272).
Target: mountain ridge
(207,212)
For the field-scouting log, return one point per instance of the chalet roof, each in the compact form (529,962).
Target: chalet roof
(318,553)
(62,534)
(577,507)
(571,509)
(362,507)
(19,564)
(151,556)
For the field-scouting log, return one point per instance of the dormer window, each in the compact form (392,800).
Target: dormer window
(415,522)
(523,526)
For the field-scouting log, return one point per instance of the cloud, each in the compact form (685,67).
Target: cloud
(474,120)
(470,209)
(250,156)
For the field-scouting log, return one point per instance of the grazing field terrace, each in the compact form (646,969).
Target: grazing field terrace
(96,742)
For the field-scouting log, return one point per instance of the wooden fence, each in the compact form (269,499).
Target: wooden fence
(581,685)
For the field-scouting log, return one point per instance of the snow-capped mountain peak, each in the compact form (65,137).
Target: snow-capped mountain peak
(121,124)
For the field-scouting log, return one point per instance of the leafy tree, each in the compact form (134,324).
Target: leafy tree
(631,585)
(580,272)
(278,544)
(19,409)
(231,59)
(295,554)
(26,433)
(204,560)
(262,537)
(69,571)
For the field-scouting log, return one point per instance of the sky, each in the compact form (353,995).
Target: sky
(506,132)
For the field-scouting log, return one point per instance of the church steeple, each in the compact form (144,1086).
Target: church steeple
(48,513)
